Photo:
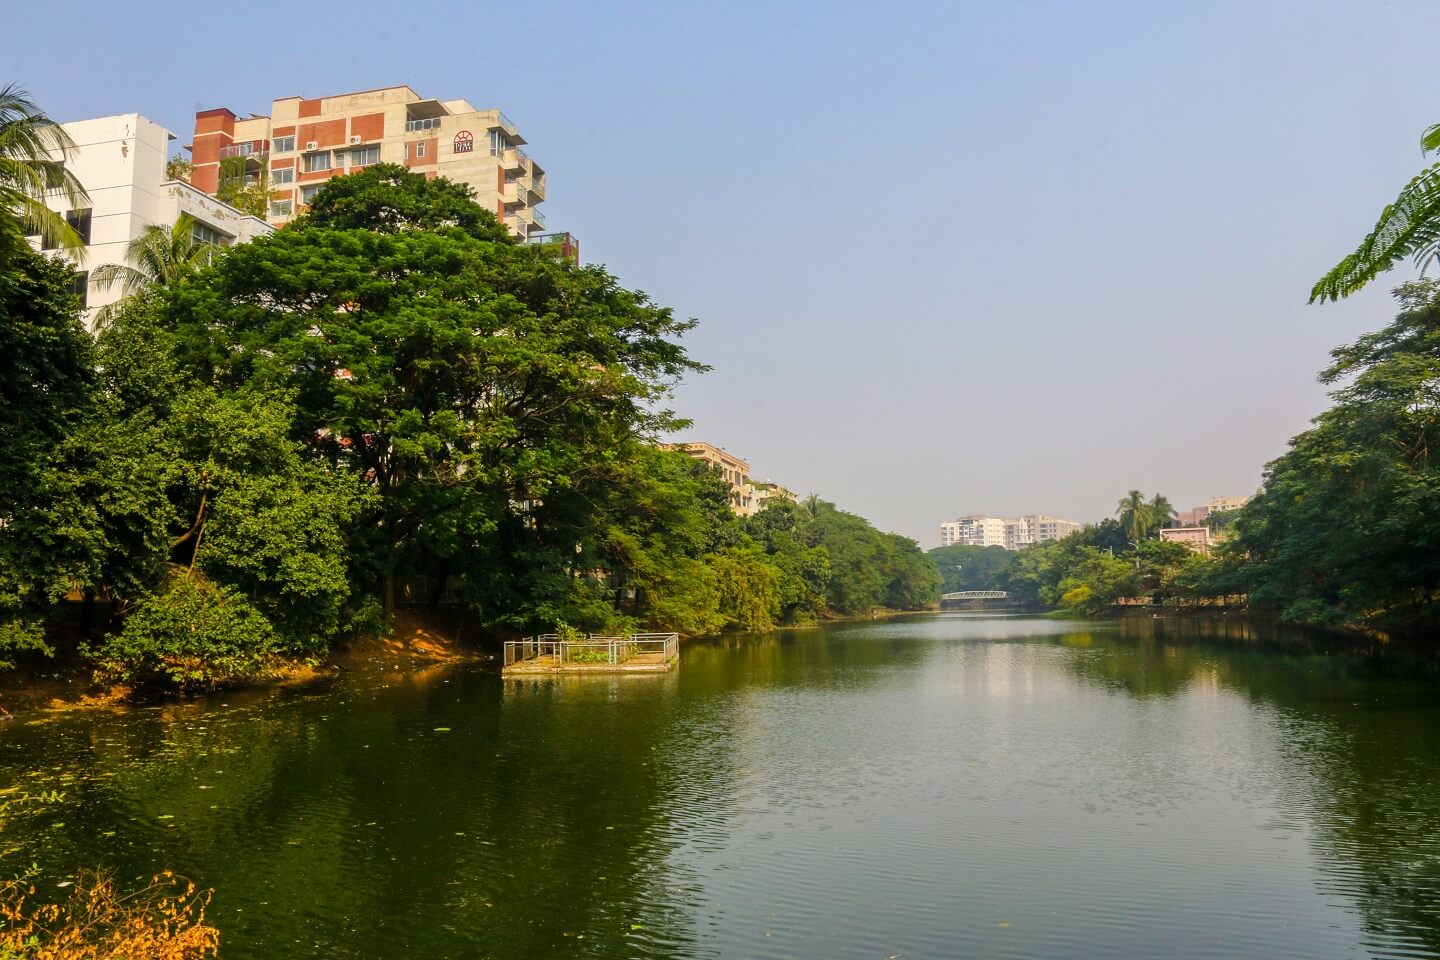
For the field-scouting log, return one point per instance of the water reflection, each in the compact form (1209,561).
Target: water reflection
(935,786)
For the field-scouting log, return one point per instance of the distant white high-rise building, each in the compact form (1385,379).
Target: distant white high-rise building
(1012,533)
(975,531)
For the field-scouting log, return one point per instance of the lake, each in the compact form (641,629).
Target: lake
(945,785)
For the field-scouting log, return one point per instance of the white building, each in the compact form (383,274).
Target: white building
(120,161)
(1012,533)
(1219,504)
(974,531)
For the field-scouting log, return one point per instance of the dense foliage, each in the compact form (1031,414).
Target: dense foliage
(1347,527)
(390,400)
(966,567)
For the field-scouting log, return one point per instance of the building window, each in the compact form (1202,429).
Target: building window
(283,144)
(283,175)
(365,156)
(419,151)
(204,233)
(464,142)
(498,143)
(80,286)
(316,162)
(280,208)
(79,221)
(308,193)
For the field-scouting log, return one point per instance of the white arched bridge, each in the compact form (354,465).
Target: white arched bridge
(976,595)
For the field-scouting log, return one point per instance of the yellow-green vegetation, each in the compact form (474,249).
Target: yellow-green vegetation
(164,920)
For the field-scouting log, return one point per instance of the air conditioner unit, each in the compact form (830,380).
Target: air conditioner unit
(354,139)
(311,145)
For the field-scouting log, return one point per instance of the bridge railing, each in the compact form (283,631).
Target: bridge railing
(976,595)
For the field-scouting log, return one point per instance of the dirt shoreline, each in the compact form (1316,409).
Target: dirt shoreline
(421,640)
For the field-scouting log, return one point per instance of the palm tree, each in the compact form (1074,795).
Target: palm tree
(1162,512)
(1135,515)
(30,170)
(1408,227)
(156,258)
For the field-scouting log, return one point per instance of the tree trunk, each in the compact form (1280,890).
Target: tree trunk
(387,592)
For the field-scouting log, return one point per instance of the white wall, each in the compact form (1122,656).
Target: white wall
(120,161)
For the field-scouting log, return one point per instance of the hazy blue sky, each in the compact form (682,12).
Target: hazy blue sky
(1000,257)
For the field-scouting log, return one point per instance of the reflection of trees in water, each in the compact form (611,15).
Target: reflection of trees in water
(345,824)
(1360,718)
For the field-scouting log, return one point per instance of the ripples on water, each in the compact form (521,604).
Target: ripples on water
(944,786)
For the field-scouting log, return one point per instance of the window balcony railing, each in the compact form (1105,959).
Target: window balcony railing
(539,218)
(507,123)
(250,148)
(429,123)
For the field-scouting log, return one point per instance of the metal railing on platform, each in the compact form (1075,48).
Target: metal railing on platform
(591,649)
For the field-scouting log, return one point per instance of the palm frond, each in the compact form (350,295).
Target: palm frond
(131,281)
(1430,139)
(33,151)
(1409,226)
(158,257)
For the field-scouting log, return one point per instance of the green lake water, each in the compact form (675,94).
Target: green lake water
(947,785)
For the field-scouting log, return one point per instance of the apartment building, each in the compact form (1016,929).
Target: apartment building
(1199,515)
(747,497)
(768,492)
(1197,539)
(1036,528)
(1012,533)
(306,141)
(120,160)
(736,472)
(974,531)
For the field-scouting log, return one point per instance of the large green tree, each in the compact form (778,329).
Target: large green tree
(1347,526)
(468,380)
(47,390)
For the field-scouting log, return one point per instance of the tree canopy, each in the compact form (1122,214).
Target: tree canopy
(270,446)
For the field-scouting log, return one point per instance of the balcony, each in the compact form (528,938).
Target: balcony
(537,188)
(248,148)
(516,193)
(427,123)
(519,225)
(563,244)
(506,124)
(514,160)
